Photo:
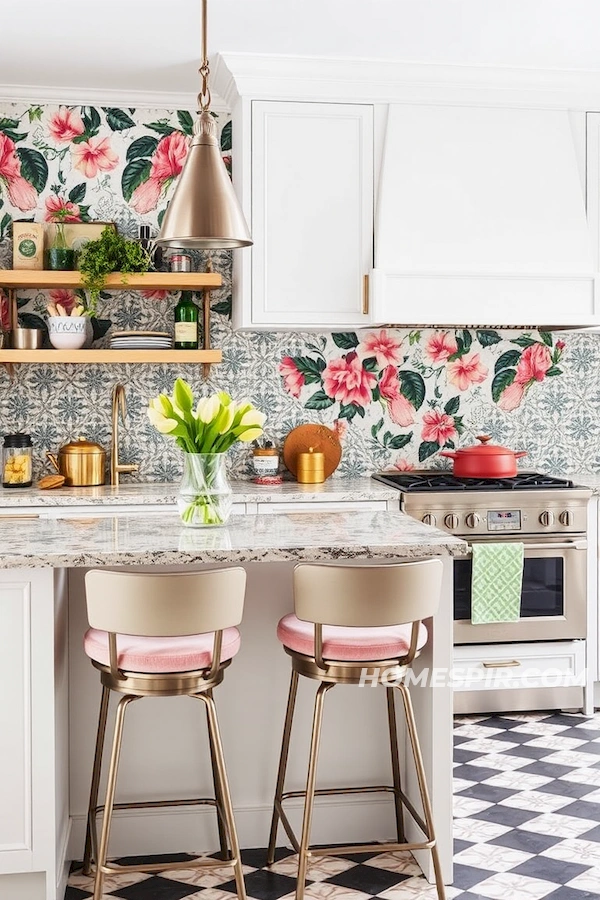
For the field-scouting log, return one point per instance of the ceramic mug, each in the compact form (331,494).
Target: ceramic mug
(67,332)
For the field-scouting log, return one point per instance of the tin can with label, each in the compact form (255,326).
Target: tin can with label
(180,262)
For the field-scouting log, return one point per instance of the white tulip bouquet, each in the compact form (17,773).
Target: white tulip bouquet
(204,433)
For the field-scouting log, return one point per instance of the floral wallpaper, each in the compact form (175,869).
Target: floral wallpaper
(395,397)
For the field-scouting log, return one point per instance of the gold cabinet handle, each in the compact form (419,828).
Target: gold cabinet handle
(501,664)
(19,516)
(365,296)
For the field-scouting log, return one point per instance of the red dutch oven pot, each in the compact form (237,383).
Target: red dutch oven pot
(484,460)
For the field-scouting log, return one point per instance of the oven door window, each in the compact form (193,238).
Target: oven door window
(543,592)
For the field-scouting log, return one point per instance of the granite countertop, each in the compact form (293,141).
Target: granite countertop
(146,540)
(165,493)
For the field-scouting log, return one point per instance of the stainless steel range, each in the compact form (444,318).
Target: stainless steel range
(549,516)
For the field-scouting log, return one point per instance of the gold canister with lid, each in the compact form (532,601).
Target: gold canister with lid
(310,467)
(82,462)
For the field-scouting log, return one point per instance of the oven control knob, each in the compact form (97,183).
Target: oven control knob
(566,518)
(428,519)
(472,520)
(546,518)
(451,521)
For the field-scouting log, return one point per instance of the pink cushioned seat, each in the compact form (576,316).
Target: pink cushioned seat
(161,654)
(348,644)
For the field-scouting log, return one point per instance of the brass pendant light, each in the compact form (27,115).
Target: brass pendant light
(204,212)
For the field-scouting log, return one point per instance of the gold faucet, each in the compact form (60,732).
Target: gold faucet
(118,406)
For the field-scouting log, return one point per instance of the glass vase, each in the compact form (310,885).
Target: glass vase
(204,497)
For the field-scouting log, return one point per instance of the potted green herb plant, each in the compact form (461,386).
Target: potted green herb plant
(110,253)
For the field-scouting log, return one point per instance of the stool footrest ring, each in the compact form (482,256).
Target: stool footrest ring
(200,863)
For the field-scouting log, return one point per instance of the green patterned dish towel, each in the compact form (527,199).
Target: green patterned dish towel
(496,584)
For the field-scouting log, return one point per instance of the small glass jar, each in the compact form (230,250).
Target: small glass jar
(180,262)
(17,461)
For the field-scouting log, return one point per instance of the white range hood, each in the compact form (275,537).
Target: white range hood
(481,220)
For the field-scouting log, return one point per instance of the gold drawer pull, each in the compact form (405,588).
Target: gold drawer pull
(19,515)
(365,297)
(501,664)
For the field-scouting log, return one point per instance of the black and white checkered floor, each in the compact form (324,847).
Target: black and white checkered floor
(527,826)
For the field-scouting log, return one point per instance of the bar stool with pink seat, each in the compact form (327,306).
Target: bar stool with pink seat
(161,635)
(349,619)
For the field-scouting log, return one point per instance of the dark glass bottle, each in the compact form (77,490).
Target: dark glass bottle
(186,323)
(147,244)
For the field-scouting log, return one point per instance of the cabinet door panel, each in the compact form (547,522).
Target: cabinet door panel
(15,724)
(312,212)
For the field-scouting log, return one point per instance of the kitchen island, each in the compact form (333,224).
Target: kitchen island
(50,692)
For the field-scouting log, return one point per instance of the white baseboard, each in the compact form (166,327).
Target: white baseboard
(63,860)
(336,820)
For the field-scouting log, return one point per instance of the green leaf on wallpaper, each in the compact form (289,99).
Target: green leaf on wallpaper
(370,364)
(414,337)
(376,394)
(524,340)
(487,337)
(310,368)
(502,380)
(452,406)
(349,410)
(427,449)
(99,327)
(510,358)
(347,340)
(319,400)
(413,387)
(77,193)
(15,136)
(4,225)
(223,307)
(226,138)
(185,120)
(161,127)
(84,213)
(34,113)
(143,146)
(161,216)
(34,167)
(547,338)
(467,340)
(376,428)
(399,441)
(8,126)
(135,173)
(30,320)
(554,370)
(117,119)
(91,122)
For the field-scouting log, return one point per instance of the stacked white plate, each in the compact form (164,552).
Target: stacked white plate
(141,340)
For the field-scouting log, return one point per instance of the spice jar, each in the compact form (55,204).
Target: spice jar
(265,460)
(180,262)
(16,461)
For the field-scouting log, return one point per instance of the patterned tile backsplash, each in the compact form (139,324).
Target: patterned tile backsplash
(395,397)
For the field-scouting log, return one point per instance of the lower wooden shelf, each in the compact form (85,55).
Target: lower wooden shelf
(111,356)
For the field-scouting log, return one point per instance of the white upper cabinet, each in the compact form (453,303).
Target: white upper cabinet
(311,216)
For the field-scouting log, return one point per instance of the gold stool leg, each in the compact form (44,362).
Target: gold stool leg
(395,765)
(418,758)
(283,759)
(225,854)
(213,726)
(91,839)
(110,794)
(310,787)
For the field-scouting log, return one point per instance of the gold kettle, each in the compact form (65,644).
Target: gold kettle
(82,462)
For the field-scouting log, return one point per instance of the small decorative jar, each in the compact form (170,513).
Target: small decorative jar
(180,262)
(265,461)
(16,461)
(311,467)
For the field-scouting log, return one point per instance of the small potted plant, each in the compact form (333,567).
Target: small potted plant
(60,256)
(67,324)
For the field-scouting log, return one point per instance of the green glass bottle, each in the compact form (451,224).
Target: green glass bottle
(186,323)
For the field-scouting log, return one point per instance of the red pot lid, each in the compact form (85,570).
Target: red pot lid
(484,450)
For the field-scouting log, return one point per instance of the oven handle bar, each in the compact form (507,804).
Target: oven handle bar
(565,545)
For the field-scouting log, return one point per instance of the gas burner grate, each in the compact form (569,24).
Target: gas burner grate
(445,481)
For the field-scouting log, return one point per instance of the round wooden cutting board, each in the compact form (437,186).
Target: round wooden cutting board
(320,438)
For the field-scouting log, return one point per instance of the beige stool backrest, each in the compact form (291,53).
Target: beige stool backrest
(367,596)
(165,605)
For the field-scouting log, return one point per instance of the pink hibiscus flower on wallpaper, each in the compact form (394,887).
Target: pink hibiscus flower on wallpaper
(340,427)
(403,465)
(346,381)
(59,210)
(466,371)
(4,312)
(20,192)
(440,346)
(533,365)
(67,299)
(384,347)
(511,397)
(400,410)
(93,156)
(438,427)
(65,125)
(293,379)
(158,294)
(167,163)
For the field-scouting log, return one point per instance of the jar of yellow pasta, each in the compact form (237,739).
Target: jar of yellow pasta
(16,461)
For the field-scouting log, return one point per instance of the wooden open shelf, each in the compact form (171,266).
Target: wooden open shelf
(144,281)
(111,356)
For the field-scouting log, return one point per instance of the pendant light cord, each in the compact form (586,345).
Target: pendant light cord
(204,97)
